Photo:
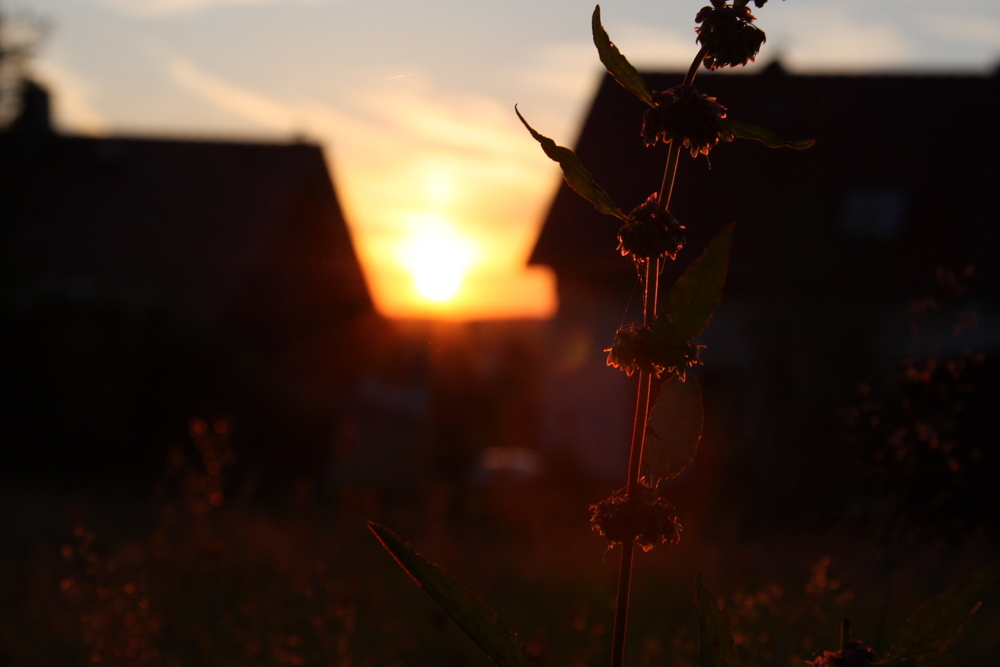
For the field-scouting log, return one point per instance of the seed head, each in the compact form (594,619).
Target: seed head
(650,233)
(683,114)
(639,348)
(645,516)
(728,34)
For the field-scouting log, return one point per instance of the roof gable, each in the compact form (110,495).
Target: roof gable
(187,219)
(927,137)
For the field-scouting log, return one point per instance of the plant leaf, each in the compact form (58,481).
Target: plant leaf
(689,304)
(471,614)
(716,647)
(673,430)
(576,176)
(768,138)
(617,65)
(939,620)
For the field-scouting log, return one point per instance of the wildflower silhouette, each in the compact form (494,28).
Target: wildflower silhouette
(650,233)
(728,35)
(667,429)
(644,516)
(684,115)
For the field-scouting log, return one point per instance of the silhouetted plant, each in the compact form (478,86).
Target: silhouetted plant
(908,423)
(210,583)
(660,350)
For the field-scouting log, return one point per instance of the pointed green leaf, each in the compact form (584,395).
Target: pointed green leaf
(617,65)
(673,430)
(935,624)
(691,301)
(748,131)
(576,176)
(471,614)
(716,647)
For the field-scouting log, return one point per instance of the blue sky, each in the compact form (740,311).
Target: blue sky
(413,101)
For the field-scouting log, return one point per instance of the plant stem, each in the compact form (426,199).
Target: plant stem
(649,298)
(674,154)
(667,188)
(650,294)
(621,605)
(695,64)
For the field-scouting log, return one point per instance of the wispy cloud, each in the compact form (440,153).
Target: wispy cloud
(378,117)
(398,141)
(562,69)
(969,28)
(73,105)
(246,104)
(161,8)
(466,123)
(652,48)
(834,38)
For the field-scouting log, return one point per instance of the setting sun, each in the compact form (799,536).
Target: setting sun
(447,236)
(437,257)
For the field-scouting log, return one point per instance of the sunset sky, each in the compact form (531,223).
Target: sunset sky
(442,187)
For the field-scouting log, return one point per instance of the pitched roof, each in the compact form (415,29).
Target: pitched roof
(905,166)
(190,220)
(146,281)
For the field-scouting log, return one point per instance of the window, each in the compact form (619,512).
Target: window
(874,213)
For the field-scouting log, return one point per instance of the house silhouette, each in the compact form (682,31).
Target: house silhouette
(832,245)
(150,281)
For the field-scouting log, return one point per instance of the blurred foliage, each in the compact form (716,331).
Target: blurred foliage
(195,574)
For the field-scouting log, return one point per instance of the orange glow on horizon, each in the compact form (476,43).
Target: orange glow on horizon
(435,270)
(447,238)
(527,294)
(443,194)
(437,257)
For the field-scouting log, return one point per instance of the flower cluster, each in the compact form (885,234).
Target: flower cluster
(857,654)
(644,516)
(728,35)
(650,233)
(683,114)
(639,348)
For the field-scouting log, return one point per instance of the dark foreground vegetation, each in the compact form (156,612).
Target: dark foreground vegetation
(193,574)
(249,545)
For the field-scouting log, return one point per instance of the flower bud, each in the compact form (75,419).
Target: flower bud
(728,34)
(683,114)
(639,348)
(644,517)
(650,233)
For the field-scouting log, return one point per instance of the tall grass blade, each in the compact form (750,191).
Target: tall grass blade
(471,614)
(716,647)
(938,621)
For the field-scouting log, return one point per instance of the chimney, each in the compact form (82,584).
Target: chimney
(35,116)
